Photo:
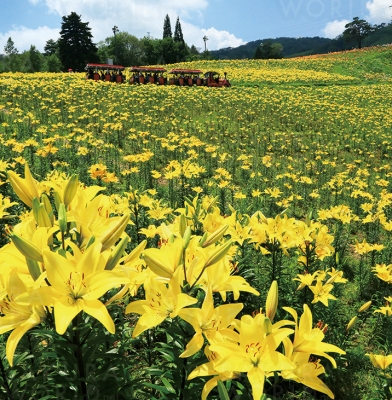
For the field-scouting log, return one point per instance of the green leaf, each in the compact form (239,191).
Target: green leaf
(168,385)
(223,395)
(156,387)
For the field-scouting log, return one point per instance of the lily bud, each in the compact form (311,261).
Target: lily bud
(182,224)
(90,242)
(267,326)
(29,250)
(187,237)
(40,215)
(351,323)
(157,266)
(117,253)
(34,268)
(111,235)
(70,190)
(57,200)
(48,207)
(215,236)
(218,254)
(271,304)
(203,239)
(62,218)
(136,252)
(365,306)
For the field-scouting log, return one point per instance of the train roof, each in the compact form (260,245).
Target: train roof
(104,66)
(147,69)
(185,71)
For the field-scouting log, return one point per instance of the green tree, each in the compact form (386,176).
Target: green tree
(258,53)
(51,47)
(10,48)
(12,61)
(193,53)
(267,50)
(178,36)
(52,64)
(167,31)
(35,60)
(276,51)
(76,47)
(169,51)
(129,49)
(152,50)
(357,30)
(180,45)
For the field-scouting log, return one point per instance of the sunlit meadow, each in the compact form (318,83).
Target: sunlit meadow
(164,242)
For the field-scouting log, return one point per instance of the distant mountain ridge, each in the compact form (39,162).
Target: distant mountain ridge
(302,46)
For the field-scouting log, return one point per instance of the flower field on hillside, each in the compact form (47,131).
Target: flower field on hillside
(164,242)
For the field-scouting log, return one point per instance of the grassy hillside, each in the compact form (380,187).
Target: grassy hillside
(305,45)
(367,65)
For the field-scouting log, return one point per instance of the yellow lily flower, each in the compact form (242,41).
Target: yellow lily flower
(164,261)
(76,285)
(322,292)
(210,322)
(306,279)
(255,354)
(380,361)
(310,340)
(17,317)
(209,369)
(161,302)
(25,189)
(307,371)
(220,279)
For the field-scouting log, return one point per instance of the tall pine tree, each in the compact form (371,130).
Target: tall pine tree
(75,45)
(167,31)
(178,37)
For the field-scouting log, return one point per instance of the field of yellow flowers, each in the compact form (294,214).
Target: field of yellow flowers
(164,242)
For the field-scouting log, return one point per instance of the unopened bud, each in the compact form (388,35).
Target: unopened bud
(111,235)
(43,219)
(157,266)
(57,200)
(203,239)
(62,218)
(48,207)
(215,236)
(187,237)
(351,323)
(117,253)
(365,306)
(182,224)
(70,190)
(267,326)
(218,254)
(271,304)
(29,250)
(136,252)
(34,268)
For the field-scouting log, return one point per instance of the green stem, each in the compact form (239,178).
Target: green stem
(183,379)
(79,356)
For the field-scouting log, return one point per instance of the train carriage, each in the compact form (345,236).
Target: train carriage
(186,77)
(156,75)
(147,75)
(105,72)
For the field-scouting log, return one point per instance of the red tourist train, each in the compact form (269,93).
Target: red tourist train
(105,72)
(156,75)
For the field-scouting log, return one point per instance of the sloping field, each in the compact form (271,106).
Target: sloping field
(142,240)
